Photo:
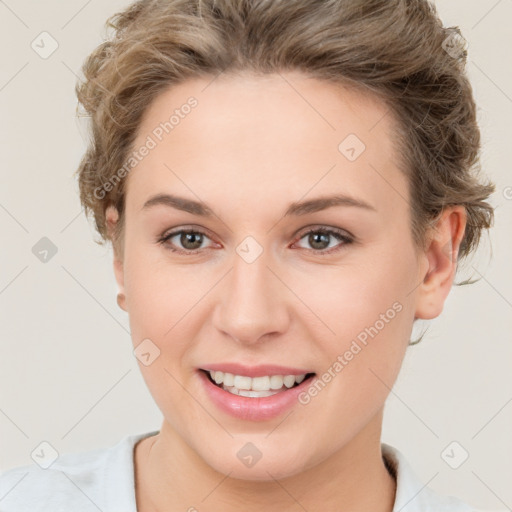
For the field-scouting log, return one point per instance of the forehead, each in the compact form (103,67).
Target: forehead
(250,135)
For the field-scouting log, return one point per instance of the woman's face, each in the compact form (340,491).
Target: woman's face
(250,292)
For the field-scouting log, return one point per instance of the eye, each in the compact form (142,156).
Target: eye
(191,241)
(321,238)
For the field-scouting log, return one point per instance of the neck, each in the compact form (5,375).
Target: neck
(171,476)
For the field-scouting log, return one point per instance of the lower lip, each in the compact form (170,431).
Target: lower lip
(252,409)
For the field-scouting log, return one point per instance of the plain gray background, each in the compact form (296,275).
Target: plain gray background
(67,372)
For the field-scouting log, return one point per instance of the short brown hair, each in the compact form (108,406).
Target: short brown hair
(394,49)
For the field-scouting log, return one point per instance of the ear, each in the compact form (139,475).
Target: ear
(441,255)
(112,217)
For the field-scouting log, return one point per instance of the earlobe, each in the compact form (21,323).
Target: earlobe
(121,301)
(441,255)
(112,217)
(119,275)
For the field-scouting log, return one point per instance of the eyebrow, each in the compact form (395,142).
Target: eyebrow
(296,208)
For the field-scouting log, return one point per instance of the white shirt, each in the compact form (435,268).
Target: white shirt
(103,480)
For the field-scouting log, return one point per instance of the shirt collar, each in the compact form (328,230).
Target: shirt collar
(412,495)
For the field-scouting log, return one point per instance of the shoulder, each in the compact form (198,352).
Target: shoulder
(82,482)
(71,481)
(412,495)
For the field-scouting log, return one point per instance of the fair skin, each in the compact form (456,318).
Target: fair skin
(251,147)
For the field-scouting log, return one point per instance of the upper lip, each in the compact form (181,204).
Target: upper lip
(254,371)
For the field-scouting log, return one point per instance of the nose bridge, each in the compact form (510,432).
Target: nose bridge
(253,302)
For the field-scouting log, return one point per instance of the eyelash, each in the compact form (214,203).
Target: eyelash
(347,240)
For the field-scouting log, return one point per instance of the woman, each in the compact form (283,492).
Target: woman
(288,187)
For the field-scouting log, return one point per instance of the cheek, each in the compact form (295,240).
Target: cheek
(360,363)
(157,294)
(360,301)
(158,298)
(368,308)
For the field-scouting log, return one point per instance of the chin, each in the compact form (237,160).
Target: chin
(266,469)
(257,459)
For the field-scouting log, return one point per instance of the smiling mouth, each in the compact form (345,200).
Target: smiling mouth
(255,387)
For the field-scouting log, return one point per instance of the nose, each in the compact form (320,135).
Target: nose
(252,303)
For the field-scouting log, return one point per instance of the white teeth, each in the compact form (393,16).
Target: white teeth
(289,381)
(254,394)
(276,382)
(260,383)
(229,379)
(256,386)
(242,382)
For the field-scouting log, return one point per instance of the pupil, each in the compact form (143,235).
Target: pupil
(319,238)
(191,238)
